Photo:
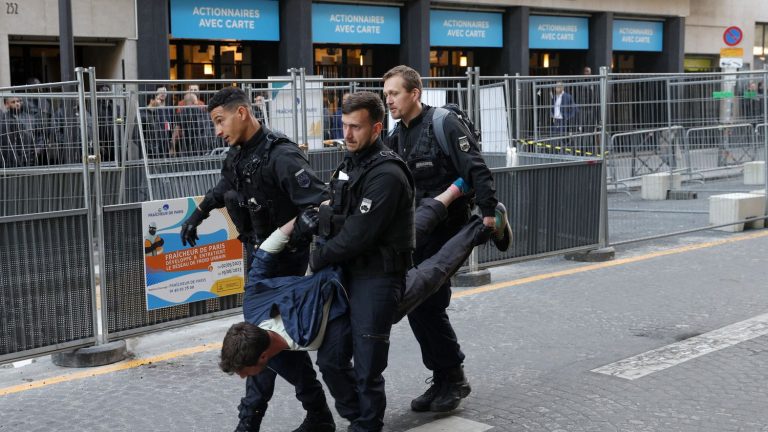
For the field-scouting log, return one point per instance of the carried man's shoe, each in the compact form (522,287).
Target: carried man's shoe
(502,237)
(251,423)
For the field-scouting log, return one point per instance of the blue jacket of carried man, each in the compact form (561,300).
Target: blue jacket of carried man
(299,300)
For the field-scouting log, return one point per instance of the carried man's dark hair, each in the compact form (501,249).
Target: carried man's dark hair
(230,98)
(411,78)
(366,100)
(243,344)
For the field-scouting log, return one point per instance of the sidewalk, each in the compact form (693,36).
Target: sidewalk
(532,339)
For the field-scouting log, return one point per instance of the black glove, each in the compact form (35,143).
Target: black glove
(316,260)
(189,228)
(305,227)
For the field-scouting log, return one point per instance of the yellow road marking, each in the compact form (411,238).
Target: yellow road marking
(110,368)
(479,290)
(536,278)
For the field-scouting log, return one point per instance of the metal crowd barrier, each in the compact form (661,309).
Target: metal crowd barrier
(553,204)
(45,280)
(123,282)
(47,271)
(79,165)
(721,146)
(649,151)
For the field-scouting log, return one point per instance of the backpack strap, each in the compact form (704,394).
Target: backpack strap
(438,127)
(272,140)
(394,134)
(394,130)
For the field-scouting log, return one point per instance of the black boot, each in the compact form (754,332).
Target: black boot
(423,402)
(318,421)
(250,423)
(454,389)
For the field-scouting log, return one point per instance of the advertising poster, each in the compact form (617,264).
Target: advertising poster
(177,274)
(493,119)
(283,108)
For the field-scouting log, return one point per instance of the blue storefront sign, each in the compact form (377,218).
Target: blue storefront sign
(553,32)
(343,23)
(465,29)
(637,35)
(225,19)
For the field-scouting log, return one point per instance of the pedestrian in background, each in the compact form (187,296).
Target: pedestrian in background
(159,125)
(40,111)
(563,111)
(17,138)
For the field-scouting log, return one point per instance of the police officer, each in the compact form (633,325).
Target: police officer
(265,182)
(434,170)
(369,230)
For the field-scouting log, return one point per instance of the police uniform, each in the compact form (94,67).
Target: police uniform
(433,171)
(369,231)
(264,184)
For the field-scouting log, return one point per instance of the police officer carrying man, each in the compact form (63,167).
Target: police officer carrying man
(369,231)
(265,182)
(433,170)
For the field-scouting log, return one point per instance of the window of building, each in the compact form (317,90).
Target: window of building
(336,61)
(38,61)
(447,62)
(701,63)
(210,59)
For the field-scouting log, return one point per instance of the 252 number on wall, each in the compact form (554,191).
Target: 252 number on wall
(11,8)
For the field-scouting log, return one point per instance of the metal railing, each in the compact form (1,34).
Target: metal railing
(47,266)
(71,173)
(647,151)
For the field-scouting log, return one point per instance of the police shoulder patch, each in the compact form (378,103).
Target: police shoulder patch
(302,178)
(464,144)
(366,205)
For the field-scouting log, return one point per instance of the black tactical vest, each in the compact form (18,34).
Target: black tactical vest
(432,169)
(396,245)
(259,206)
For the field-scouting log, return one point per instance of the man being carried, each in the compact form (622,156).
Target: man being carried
(291,313)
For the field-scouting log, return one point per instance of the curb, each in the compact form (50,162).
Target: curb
(594,255)
(97,355)
(471,279)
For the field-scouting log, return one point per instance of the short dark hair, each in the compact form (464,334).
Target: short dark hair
(243,344)
(366,100)
(229,98)
(411,78)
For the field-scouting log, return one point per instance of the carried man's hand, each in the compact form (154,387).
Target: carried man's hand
(490,222)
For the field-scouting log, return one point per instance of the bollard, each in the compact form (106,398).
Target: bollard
(474,277)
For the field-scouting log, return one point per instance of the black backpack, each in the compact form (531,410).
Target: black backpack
(438,120)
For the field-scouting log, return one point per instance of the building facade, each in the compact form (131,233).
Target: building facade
(196,39)
(105,36)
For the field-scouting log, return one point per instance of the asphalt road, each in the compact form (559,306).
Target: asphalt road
(532,340)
